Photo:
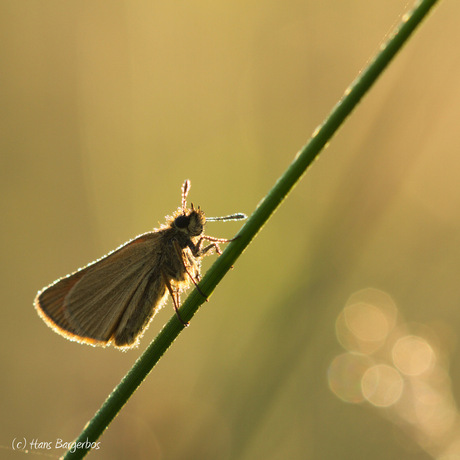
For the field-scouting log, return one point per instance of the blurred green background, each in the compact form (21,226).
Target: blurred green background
(108,106)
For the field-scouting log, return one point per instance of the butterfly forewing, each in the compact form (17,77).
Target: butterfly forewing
(95,300)
(50,304)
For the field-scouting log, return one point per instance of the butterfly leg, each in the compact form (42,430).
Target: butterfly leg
(198,252)
(211,246)
(175,299)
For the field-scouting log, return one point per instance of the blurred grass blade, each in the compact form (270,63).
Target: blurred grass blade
(267,206)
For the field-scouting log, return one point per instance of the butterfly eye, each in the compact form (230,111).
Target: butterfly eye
(182,221)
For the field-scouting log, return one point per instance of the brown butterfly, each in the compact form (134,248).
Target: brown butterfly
(113,299)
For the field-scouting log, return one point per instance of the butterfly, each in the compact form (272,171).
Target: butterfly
(112,300)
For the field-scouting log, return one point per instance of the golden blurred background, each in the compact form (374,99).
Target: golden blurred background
(336,334)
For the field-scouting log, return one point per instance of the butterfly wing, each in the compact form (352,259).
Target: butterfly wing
(102,299)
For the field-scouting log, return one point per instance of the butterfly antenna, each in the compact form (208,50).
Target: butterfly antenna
(185,190)
(237,216)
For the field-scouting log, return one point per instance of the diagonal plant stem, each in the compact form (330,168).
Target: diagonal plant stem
(265,209)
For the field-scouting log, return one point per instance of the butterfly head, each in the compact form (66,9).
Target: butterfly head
(190,221)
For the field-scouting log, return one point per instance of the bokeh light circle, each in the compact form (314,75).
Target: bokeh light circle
(382,385)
